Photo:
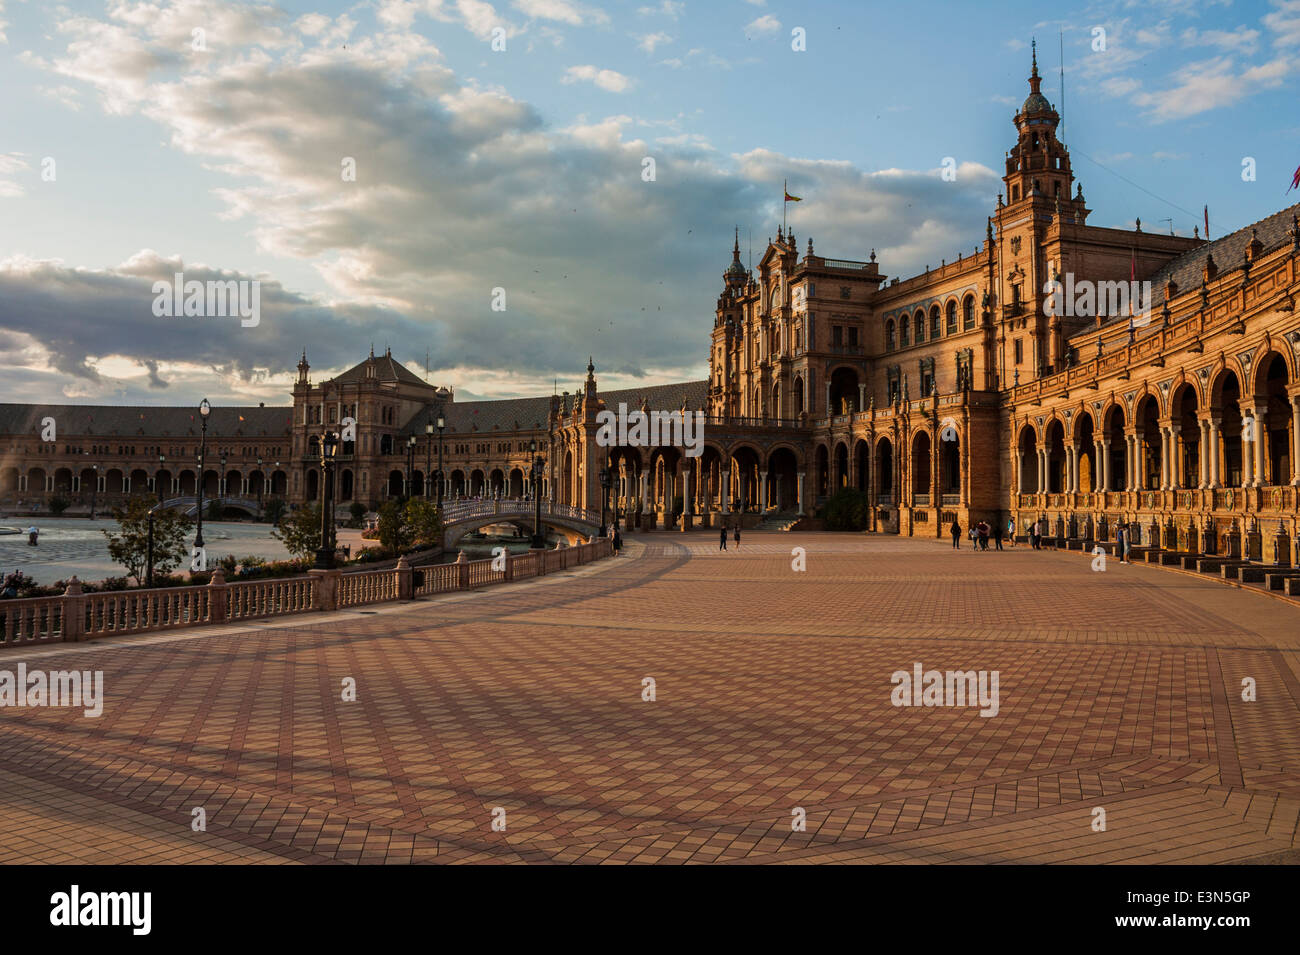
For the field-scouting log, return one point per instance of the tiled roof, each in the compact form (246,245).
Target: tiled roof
(529,414)
(387,368)
(1228,251)
(128,421)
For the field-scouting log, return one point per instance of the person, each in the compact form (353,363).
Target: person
(737,538)
(1042,531)
(618,540)
(722,543)
(983,529)
(32,534)
(1121,540)
(1033,534)
(956,535)
(997,535)
(1011,530)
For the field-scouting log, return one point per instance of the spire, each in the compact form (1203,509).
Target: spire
(1035,81)
(1033,46)
(735,249)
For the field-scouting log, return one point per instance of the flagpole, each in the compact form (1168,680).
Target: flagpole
(785,191)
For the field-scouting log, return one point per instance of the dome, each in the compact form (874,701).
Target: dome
(735,269)
(1036,103)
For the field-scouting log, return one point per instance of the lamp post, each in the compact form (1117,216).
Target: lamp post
(205,409)
(410,464)
(428,456)
(539,540)
(261,485)
(162,459)
(604,495)
(325,553)
(440,423)
(221,487)
(94,490)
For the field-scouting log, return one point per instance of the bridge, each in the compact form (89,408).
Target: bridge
(462,517)
(190,505)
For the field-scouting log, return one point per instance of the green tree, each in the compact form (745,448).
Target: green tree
(358,512)
(299,531)
(214,510)
(395,533)
(848,509)
(425,522)
(58,504)
(129,546)
(274,510)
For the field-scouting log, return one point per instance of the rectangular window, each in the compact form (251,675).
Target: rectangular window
(837,335)
(853,336)
(1020,351)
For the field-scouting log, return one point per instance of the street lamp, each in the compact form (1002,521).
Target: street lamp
(94,490)
(261,484)
(440,423)
(325,553)
(221,488)
(205,409)
(410,463)
(539,540)
(604,494)
(428,456)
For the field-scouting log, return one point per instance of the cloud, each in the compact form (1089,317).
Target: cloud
(609,80)
(561,11)
(1240,40)
(1211,84)
(649,41)
(668,8)
(764,24)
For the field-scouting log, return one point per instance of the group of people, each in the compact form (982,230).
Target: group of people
(722,541)
(980,534)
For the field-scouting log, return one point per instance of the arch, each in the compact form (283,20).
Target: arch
(311,484)
(783,478)
(844,391)
(841,465)
(1183,408)
(862,464)
(8,480)
(1086,450)
(1146,422)
(934,322)
(162,483)
(920,460)
(746,461)
(884,471)
(496,482)
(968,313)
(1114,421)
(918,327)
(458,483)
(1273,419)
(395,484)
(904,321)
(890,342)
(114,481)
(36,480)
(822,472)
(279,483)
(478,483)
(1055,445)
(515,486)
(951,321)
(776,400)
(139,481)
(1027,443)
(187,483)
(798,396)
(346,489)
(949,462)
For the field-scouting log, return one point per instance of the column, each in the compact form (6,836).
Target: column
(829,411)
(1164,459)
(762,492)
(1042,470)
(688,502)
(1202,456)
(1105,464)
(725,486)
(1295,439)
(1020,471)
(799,486)
(862,397)
(1259,472)
(1212,450)
(1247,453)
(1098,465)
(645,490)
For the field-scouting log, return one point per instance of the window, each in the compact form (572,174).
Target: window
(837,335)
(1020,351)
(968,313)
(934,322)
(902,332)
(919,323)
(889,336)
(952,318)
(853,336)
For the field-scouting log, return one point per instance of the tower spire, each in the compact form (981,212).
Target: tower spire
(1033,46)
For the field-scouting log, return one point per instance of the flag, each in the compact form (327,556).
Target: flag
(1207,218)
(1295,180)
(241,417)
(790,198)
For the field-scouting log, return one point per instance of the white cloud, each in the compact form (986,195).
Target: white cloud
(764,24)
(561,11)
(668,8)
(609,80)
(649,41)
(1240,40)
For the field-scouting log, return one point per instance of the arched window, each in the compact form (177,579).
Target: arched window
(934,322)
(890,344)
(952,318)
(919,323)
(968,313)
(902,332)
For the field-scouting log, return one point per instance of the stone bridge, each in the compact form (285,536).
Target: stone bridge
(463,517)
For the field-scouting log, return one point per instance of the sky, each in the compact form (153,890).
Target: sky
(389,171)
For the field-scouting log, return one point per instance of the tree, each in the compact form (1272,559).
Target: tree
(214,510)
(848,509)
(58,504)
(299,531)
(358,512)
(404,524)
(130,545)
(274,510)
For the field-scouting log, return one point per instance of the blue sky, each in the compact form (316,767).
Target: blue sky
(520,168)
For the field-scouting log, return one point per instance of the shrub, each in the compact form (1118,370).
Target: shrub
(300,531)
(58,504)
(273,510)
(358,512)
(848,509)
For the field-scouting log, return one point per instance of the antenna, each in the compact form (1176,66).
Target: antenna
(1171,223)
(751,248)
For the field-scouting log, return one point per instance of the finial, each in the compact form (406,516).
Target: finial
(591,367)
(810,248)
(1033,44)
(873,255)
(1139,225)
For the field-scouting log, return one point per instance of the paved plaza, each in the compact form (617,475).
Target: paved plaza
(1118,690)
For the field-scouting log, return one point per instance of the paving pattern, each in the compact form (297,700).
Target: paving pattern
(1118,691)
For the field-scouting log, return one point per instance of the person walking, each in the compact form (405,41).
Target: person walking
(997,535)
(737,538)
(983,530)
(1033,534)
(722,542)
(618,540)
(1011,531)
(1121,541)
(956,535)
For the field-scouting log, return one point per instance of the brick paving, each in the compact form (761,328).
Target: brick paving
(1119,691)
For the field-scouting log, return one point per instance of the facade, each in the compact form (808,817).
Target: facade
(1031,378)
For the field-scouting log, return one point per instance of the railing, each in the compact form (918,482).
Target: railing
(455,511)
(77,615)
(921,500)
